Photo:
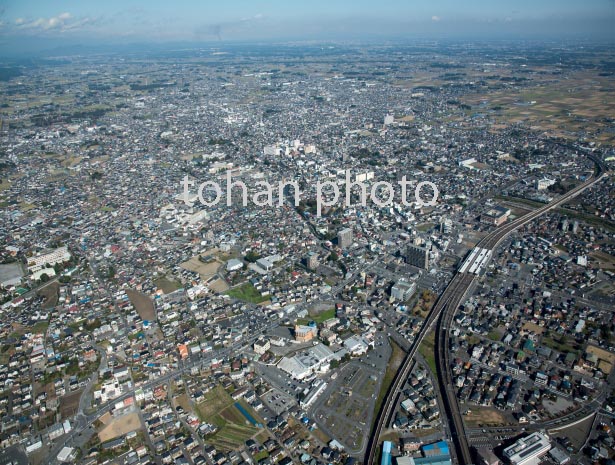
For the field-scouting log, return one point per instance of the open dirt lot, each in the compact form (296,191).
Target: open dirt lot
(143,304)
(484,416)
(119,427)
(219,286)
(69,404)
(50,293)
(206,270)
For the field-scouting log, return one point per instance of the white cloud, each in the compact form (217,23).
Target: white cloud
(435,18)
(61,23)
(256,17)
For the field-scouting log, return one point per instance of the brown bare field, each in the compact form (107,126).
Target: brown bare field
(71,161)
(320,434)
(606,359)
(167,285)
(561,108)
(120,426)
(105,418)
(219,286)
(605,260)
(69,404)
(206,270)
(529,326)
(50,293)
(143,304)
(484,416)
(183,401)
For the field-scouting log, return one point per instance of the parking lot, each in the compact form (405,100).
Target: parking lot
(277,401)
(348,402)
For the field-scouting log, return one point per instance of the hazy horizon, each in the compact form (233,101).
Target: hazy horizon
(37,26)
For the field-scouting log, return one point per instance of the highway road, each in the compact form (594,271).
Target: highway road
(443,313)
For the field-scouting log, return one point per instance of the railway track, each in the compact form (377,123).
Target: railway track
(442,314)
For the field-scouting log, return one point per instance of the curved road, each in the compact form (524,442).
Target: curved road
(443,313)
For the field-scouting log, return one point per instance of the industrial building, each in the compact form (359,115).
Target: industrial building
(435,460)
(436,453)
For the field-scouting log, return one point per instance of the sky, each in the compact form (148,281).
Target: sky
(46,22)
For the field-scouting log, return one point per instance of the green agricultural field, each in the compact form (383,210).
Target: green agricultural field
(323,316)
(246,292)
(219,409)
(167,285)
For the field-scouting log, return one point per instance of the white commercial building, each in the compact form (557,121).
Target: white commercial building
(307,362)
(528,450)
(402,290)
(234,264)
(317,389)
(67,454)
(261,346)
(356,345)
(544,183)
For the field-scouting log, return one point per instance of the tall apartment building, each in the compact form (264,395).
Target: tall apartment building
(344,238)
(417,256)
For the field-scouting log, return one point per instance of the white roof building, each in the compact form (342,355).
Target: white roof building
(67,454)
(59,255)
(307,362)
(528,450)
(234,264)
(356,345)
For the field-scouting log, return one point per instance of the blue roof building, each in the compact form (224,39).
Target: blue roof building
(437,448)
(386,453)
(434,460)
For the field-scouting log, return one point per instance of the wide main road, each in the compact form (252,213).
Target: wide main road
(443,313)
